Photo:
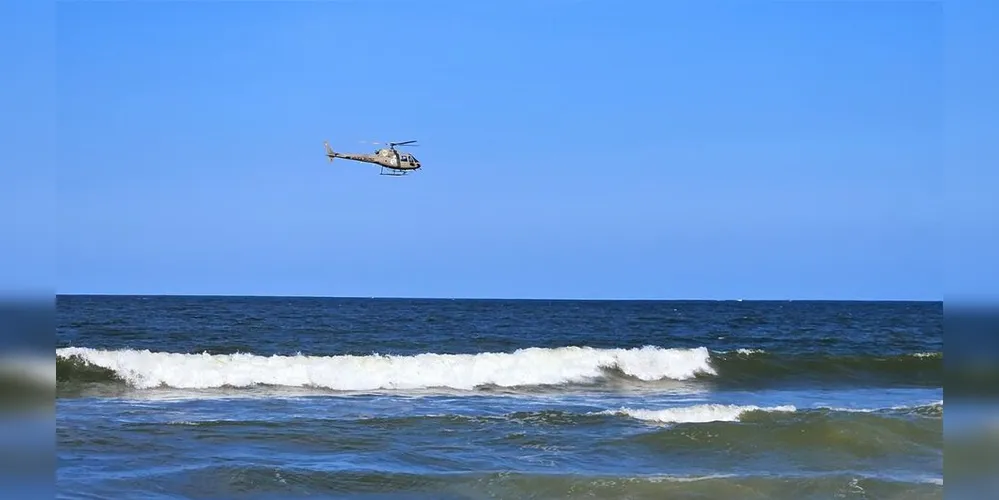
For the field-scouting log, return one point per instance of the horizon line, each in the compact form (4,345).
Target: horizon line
(559,299)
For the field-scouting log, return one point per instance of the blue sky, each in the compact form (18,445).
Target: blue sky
(570,149)
(27,128)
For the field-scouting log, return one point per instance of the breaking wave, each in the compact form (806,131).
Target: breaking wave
(531,367)
(525,367)
(697,413)
(707,413)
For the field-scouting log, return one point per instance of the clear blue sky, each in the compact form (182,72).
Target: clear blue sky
(570,149)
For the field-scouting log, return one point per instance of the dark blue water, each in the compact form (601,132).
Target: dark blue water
(221,397)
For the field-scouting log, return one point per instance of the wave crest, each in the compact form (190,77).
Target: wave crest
(524,367)
(697,413)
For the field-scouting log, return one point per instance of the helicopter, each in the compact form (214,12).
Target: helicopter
(391,161)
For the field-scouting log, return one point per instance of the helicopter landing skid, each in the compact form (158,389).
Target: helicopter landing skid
(392,173)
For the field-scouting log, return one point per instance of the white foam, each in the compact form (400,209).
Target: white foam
(697,413)
(525,367)
(682,479)
(880,408)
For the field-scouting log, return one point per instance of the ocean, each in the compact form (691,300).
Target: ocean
(265,398)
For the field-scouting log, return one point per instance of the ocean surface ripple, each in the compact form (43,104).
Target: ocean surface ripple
(227,397)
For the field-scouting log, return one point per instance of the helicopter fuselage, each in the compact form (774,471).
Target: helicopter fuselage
(385,157)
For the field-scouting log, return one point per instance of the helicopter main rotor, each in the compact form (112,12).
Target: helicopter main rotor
(392,145)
